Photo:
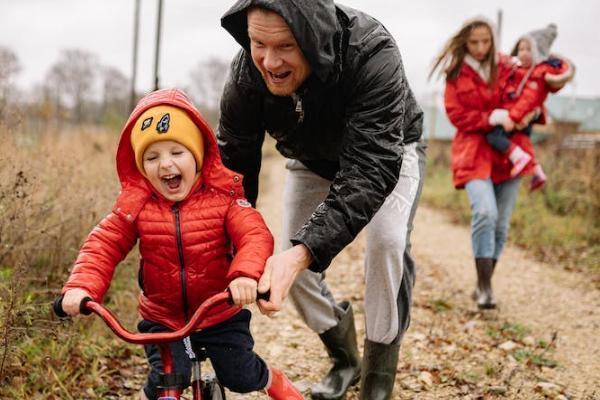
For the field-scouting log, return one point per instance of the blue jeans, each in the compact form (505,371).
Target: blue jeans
(491,208)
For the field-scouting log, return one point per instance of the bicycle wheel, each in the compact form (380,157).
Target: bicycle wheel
(212,388)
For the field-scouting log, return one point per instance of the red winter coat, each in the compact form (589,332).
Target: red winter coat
(469,100)
(185,247)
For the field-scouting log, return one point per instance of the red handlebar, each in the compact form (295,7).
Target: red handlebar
(154,338)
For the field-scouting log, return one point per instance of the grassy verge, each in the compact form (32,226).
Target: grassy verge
(558,224)
(53,188)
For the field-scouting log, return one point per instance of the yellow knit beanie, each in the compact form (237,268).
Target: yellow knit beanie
(161,123)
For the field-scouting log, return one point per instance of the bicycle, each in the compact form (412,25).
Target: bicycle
(203,388)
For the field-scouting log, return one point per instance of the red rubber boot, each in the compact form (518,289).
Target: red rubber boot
(281,388)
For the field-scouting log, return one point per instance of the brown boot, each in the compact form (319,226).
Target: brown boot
(483,294)
(281,388)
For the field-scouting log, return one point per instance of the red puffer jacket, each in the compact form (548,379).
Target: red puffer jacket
(185,247)
(533,95)
(535,90)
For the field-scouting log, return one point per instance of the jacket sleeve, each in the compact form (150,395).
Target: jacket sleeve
(252,240)
(462,116)
(240,134)
(371,155)
(107,245)
(531,97)
(562,72)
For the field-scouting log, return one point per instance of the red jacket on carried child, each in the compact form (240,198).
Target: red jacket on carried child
(527,89)
(186,248)
(524,92)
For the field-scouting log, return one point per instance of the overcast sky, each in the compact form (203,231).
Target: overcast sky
(36,30)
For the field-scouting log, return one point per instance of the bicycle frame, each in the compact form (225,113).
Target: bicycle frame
(170,391)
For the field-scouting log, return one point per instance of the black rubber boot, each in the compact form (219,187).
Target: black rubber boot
(483,294)
(340,342)
(379,370)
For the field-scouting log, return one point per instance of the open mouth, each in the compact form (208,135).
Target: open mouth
(172,181)
(279,77)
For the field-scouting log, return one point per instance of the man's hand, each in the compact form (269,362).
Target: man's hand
(72,300)
(243,290)
(280,273)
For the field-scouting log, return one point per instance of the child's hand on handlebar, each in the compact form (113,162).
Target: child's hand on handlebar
(243,290)
(72,300)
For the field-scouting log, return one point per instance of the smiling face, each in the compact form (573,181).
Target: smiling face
(276,53)
(524,53)
(479,42)
(171,169)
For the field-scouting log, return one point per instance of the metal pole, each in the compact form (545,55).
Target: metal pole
(136,29)
(157,52)
(499,29)
(433,109)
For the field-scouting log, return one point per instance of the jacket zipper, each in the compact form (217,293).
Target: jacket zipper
(299,109)
(175,209)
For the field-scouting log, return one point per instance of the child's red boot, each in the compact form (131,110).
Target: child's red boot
(281,388)
(519,159)
(538,180)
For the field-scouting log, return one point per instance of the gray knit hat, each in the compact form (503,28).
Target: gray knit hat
(540,41)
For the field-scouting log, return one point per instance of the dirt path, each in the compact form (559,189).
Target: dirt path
(543,340)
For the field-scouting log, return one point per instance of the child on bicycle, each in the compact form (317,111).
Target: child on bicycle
(533,77)
(197,237)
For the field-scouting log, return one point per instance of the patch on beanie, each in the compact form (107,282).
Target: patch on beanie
(163,124)
(147,123)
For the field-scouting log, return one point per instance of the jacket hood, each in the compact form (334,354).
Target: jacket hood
(313,23)
(213,173)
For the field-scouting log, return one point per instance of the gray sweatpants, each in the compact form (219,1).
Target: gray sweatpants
(389,268)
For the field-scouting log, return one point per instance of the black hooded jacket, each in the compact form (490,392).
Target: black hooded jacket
(348,122)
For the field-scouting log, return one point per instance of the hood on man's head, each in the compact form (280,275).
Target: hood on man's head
(313,23)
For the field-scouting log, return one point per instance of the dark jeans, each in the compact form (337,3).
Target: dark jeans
(229,348)
(498,138)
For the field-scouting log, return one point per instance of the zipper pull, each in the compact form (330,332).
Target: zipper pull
(299,109)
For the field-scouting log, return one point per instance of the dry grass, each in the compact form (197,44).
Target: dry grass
(559,224)
(53,188)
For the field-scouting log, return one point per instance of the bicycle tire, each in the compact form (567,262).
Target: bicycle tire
(212,388)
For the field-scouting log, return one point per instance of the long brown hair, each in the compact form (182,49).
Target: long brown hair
(450,59)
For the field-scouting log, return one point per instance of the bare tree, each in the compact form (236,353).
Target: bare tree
(71,80)
(115,95)
(208,80)
(9,67)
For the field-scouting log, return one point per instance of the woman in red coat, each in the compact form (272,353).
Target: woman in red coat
(475,75)
(188,212)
